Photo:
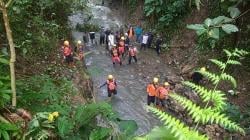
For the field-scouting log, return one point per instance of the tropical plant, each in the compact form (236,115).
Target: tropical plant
(167,15)
(214,100)
(6,129)
(5,91)
(41,126)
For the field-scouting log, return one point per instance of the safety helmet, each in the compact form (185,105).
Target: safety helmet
(166,84)
(203,69)
(122,38)
(114,45)
(79,42)
(126,34)
(66,43)
(110,77)
(155,80)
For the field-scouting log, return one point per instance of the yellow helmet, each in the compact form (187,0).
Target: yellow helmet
(66,43)
(122,38)
(79,42)
(166,84)
(203,69)
(155,80)
(110,77)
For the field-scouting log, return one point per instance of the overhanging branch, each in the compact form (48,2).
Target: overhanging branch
(8,3)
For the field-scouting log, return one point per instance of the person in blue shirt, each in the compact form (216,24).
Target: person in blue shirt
(138,32)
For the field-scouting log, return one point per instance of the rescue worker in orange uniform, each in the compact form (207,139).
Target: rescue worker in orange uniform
(132,51)
(151,90)
(115,55)
(121,46)
(162,94)
(111,86)
(67,53)
(80,49)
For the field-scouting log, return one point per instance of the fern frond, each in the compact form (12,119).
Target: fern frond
(229,54)
(215,79)
(220,64)
(206,115)
(178,129)
(217,97)
(241,52)
(230,78)
(233,62)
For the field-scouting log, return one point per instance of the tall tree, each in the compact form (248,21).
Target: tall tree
(3,7)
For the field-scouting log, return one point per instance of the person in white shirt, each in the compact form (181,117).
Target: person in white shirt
(144,41)
(111,40)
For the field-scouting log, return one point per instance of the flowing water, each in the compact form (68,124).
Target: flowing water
(130,102)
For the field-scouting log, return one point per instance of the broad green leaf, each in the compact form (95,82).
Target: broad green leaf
(221,19)
(234,12)
(5,135)
(214,33)
(199,28)
(208,22)
(4,61)
(229,28)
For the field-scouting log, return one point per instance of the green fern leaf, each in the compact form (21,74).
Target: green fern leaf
(177,128)
(220,64)
(233,62)
(212,116)
(229,54)
(217,97)
(230,78)
(210,76)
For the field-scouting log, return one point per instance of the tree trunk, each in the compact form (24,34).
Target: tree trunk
(12,54)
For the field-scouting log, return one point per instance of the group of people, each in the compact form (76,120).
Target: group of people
(157,93)
(68,52)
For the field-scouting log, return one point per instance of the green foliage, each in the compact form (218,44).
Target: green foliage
(40,127)
(211,113)
(167,15)
(178,129)
(87,27)
(100,133)
(5,91)
(6,129)
(212,30)
(37,25)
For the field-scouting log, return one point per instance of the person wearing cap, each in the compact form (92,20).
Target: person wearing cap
(115,55)
(111,86)
(67,53)
(132,53)
(151,90)
(162,94)
(197,76)
(79,50)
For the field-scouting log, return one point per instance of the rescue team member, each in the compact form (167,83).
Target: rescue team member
(115,55)
(121,46)
(111,86)
(197,76)
(151,90)
(162,94)
(132,54)
(79,50)
(67,53)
